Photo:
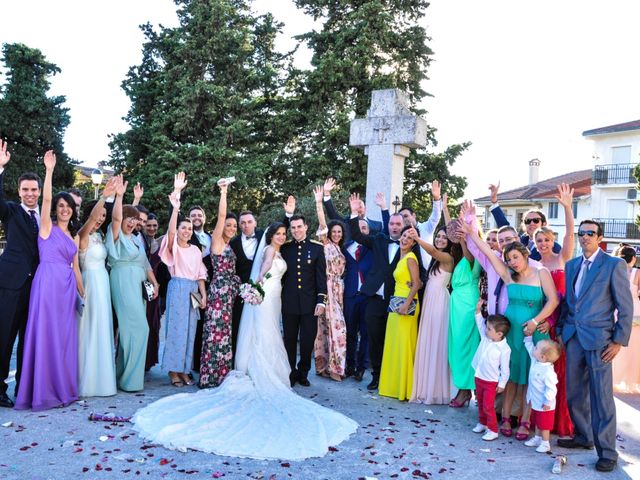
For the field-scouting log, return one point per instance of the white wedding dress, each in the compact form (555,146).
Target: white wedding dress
(254,413)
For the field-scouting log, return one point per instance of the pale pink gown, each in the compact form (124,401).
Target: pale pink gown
(626,365)
(431,374)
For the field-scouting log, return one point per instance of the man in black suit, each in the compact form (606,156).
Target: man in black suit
(18,264)
(304,294)
(379,283)
(374,225)
(244,246)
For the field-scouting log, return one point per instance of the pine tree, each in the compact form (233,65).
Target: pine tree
(30,120)
(207,99)
(363,45)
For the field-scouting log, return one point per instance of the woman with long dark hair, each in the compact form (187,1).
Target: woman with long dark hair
(50,363)
(431,374)
(331,339)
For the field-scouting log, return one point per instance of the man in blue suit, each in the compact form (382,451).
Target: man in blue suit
(18,264)
(596,286)
(359,261)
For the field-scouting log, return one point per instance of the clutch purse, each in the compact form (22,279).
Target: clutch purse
(396,302)
(196,298)
(147,290)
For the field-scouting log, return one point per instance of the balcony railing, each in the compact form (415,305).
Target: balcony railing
(619,228)
(619,173)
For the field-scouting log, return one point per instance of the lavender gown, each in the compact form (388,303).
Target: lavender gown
(50,363)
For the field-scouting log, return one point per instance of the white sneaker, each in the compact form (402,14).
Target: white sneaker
(479,428)
(490,435)
(533,441)
(544,447)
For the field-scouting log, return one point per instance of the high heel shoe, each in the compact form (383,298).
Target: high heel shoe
(523,436)
(454,403)
(505,427)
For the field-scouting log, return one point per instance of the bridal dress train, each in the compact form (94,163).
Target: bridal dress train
(253,413)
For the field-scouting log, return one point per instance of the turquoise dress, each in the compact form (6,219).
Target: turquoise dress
(129,266)
(463,333)
(525,302)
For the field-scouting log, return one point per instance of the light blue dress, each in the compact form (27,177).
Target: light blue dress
(129,266)
(96,367)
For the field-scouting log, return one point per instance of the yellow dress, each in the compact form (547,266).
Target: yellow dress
(396,373)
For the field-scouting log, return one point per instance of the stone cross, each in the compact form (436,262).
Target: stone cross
(387,134)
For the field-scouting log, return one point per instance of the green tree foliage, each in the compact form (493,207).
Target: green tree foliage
(214,98)
(207,99)
(30,120)
(364,45)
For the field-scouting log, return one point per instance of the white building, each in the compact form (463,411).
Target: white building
(614,195)
(541,195)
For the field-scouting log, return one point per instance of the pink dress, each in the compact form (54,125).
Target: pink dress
(431,373)
(626,365)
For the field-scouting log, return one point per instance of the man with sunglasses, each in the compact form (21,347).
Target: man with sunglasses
(596,287)
(531,221)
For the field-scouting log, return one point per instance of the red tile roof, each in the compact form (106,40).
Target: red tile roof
(580,181)
(620,127)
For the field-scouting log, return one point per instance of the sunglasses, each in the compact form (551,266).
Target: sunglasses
(529,221)
(588,233)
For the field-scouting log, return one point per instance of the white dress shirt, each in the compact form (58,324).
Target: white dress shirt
(428,228)
(249,245)
(36,209)
(542,388)
(491,360)
(205,241)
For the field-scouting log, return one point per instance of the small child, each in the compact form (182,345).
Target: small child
(491,364)
(541,393)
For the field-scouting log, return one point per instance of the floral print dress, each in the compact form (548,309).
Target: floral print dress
(331,339)
(216,359)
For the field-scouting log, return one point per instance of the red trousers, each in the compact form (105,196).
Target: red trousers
(486,398)
(542,419)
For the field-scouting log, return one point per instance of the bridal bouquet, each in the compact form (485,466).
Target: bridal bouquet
(252,292)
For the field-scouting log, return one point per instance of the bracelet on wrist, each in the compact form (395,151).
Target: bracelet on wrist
(536,323)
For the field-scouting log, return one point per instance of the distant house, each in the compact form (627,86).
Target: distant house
(614,194)
(541,194)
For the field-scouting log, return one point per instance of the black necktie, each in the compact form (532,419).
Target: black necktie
(397,242)
(34,221)
(250,237)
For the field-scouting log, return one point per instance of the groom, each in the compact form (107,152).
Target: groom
(304,292)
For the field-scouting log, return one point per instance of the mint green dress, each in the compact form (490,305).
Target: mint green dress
(463,333)
(525,302)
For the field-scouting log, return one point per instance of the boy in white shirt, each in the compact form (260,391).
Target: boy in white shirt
(491,364)
(542,390)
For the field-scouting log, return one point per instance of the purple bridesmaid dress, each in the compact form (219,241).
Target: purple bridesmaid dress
(50,362)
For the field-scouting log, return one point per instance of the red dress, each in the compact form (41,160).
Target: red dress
(562,424)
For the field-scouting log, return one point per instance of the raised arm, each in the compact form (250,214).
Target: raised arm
(565,198)
(497,264)
(496,211)
(328,186)
(138,192)
(47,194)
(217,242)
(173,221)
(436,211)
(96,213)
(445,209)
(322,222)
(354,226)
(5,156)
(384,212)
(116,215)
(442,257)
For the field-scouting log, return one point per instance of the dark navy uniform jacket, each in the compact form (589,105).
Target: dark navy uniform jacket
(305,283)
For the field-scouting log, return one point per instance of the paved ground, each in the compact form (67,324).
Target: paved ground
(395,440)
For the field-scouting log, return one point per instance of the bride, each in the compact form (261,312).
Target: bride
(254,413)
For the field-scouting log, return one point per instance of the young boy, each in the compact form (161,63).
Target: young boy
(491,364)
(541,393)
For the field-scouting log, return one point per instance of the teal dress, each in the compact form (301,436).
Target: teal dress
(525,302)
(463,333)
(129,266)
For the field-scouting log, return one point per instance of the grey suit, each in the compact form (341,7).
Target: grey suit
(587,325)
